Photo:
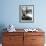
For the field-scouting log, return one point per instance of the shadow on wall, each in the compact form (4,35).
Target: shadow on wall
(2,26)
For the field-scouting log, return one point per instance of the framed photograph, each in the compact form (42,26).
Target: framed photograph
(26,13)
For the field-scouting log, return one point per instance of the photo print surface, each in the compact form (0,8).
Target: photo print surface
(26,13)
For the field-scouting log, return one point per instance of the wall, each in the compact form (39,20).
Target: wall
(9,13)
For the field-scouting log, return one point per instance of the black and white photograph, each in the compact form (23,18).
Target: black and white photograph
(26,13)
